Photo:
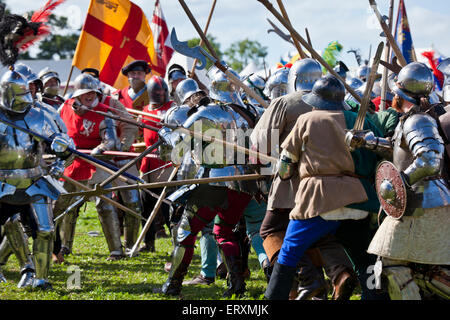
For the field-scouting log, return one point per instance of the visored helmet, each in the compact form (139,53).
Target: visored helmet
(158,90)
(277,84)
(29,75)
(85,83)
(327,93)
(414,81)
(222,89)
(186,89)
(14,93)
(303,74)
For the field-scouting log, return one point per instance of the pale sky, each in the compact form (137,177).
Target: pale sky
(351,22)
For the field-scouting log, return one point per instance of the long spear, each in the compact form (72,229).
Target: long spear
(285,15)
(305,44)
(196,134)
(216,61)
(153,214)
(113,177)
(74,151)
(104,198)
(98,191)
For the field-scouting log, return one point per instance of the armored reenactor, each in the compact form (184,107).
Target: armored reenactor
(257,84)
(28,184)
(175,74)
(158,93)
(51,82)
(91,131)
(414,235)
(134,96)
(277,84)
(203,203)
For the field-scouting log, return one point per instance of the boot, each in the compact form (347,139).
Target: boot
(235,279)
(177,273)
(314,289)
(267,268)
(280,282)
(344,285)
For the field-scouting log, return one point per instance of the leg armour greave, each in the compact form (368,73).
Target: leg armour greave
(43,244)
(131,225)
(67,229)
(17,242)
(177,272)
(110,225)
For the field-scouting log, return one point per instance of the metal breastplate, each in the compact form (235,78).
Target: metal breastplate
(431,191)
(20,154)
(232,125)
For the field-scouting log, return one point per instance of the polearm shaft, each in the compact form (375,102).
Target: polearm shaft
(199,135)
(80,201)
(296,44)
(121,177)
(393,43)
(216,61)
(104,198)
(177,183)
(153,214)
(74,151)
(205,32)
(306,45)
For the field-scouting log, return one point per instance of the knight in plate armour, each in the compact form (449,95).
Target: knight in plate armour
(28,183)
(226,200)
(417,233)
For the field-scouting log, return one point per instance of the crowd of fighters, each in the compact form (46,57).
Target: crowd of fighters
(315,222)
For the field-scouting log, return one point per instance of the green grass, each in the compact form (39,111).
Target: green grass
(127,279)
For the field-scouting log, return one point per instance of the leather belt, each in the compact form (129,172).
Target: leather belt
(342,174)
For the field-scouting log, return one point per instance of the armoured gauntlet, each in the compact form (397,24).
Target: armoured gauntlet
(60,143)
(366,139)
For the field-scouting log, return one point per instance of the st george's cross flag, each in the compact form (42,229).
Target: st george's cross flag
(115,33)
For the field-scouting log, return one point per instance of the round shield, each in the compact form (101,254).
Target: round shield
(391,189)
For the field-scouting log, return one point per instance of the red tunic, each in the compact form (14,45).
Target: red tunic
(85,132)
(151,137)
(377,102)
(125,99)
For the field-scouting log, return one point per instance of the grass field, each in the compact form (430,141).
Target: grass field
(127,279)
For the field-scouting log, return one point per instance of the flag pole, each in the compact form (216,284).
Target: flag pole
(68,80)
